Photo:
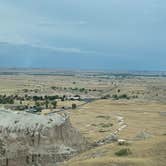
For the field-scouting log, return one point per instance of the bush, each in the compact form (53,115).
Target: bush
(123,152)
(115,96)
(82,89)
(106,97)
(103,116)
(54,103)
(123,96)
(74,106)
(6,99)
(53,97)
(106,125)
(118,91)
(36,98)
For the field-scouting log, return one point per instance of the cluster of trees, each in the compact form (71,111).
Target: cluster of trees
(83,89)
(122,96)
(48,103)
(41,98)
(118,97)
(6,99)
(74,89)
(2,148)
(31,90)
(35,104)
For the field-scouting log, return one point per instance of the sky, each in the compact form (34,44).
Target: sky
(83,34)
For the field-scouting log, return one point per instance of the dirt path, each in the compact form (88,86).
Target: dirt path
(113,137)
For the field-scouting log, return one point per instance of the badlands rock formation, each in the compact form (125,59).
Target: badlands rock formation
(28,139)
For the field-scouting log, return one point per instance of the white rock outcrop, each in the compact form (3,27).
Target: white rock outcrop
(28,139)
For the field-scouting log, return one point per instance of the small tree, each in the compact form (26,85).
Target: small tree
(118,90)
(2,148)
(74,106)
(37,104)
(54,103)
(46,103)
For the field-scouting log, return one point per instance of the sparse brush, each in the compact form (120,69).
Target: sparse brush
(123,152)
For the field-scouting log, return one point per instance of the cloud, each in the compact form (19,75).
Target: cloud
(48,23)
(67,50)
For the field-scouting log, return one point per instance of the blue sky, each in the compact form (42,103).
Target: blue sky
(95,34)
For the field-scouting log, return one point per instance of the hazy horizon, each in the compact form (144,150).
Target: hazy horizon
(97,35)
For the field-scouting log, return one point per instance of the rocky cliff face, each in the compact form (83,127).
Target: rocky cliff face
(28,139)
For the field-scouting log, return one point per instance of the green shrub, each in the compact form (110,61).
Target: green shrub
(106,96)
(103,116)
(106,125)
(115,96)
(123,152)
(74,106)
(123,96)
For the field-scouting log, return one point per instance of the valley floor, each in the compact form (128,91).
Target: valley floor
(145,133)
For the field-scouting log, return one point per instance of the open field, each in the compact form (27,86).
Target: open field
(130,106)
(145,133)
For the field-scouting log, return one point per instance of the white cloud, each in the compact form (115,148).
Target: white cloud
(46,22)
(65,49)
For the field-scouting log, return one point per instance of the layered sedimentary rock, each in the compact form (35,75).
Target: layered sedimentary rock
(39,140)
